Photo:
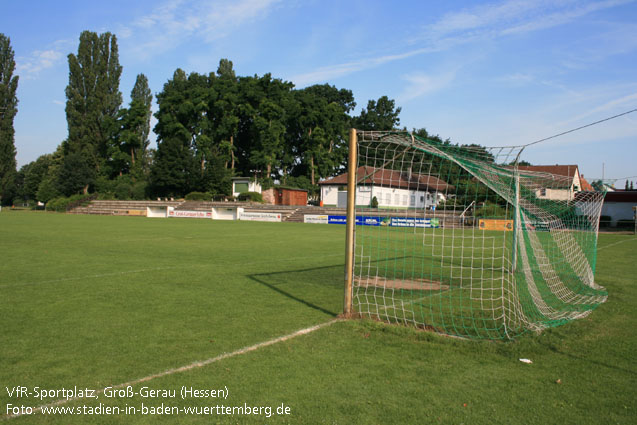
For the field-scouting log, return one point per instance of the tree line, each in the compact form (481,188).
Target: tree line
(210,127)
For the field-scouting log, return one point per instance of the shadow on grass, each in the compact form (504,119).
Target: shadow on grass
(320,288)
(597,363)
(311,287)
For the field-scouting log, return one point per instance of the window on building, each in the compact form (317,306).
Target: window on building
(412,200)
(241,187)
(396,199)
(388,198)
(404,199)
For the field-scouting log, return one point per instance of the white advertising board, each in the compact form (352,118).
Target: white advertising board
(160,212)
(260,216)
(225,213)
(313,218)
(189,214)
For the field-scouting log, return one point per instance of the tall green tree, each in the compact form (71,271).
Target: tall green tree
(264,103)
(93,99)
(75,173)
(320,130)
(380,115)
(127,153)
(49,183)
(33,174)
(225,112)
(174,168)
(8,110)
(141,101)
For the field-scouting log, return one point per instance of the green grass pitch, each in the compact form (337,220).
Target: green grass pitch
(92,302)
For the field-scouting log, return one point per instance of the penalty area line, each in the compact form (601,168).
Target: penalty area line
(616,243)
(190,366)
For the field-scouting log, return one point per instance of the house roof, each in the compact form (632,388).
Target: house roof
(559,170)
(295,189)
(550,176)
(586,186)
(391,178)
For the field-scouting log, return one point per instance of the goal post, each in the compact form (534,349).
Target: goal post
(350,225)
(465,241)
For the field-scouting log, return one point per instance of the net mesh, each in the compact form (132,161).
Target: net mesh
(463,240)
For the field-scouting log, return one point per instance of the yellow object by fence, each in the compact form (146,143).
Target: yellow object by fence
(494,224)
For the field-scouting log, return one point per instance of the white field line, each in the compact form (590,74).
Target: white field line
(616,243)
(97,276)
(191,366)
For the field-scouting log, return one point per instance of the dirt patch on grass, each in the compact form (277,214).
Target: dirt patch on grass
(413,284)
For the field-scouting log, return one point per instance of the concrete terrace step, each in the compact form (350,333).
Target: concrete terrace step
(104,211)
(294,214)
(131,204)
(111,207)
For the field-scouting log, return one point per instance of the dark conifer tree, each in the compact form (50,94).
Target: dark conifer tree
(93,100)
(8,110)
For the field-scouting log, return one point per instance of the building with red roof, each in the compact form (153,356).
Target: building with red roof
(557,182)
(391,188)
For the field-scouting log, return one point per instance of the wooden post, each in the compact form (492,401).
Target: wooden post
(351,222)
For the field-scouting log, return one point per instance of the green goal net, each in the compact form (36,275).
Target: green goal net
(464,241)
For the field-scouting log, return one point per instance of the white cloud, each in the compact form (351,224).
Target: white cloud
(481,17)
(561,17)
(512,17)
(176,21)
(39,60)
(608,107)
(480,23)
(329,72)
(421,84)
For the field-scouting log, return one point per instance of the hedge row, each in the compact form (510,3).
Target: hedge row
(61,204)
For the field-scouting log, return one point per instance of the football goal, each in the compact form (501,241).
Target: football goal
(464,241)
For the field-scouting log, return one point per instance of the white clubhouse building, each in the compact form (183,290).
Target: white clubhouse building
(392,189)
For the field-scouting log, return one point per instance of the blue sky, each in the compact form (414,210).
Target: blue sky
(494,73)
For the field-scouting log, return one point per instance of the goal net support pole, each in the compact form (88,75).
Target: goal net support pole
(351,221)
(523,260)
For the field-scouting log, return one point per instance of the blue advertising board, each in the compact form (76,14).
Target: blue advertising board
(415,222)
(363,220)
(366,220)
(336,219)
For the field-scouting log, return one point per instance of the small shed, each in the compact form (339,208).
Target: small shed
(285,196)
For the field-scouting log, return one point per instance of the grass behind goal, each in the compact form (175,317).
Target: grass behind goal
(96,301)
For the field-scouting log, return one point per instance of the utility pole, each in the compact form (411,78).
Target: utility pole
(602,172)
